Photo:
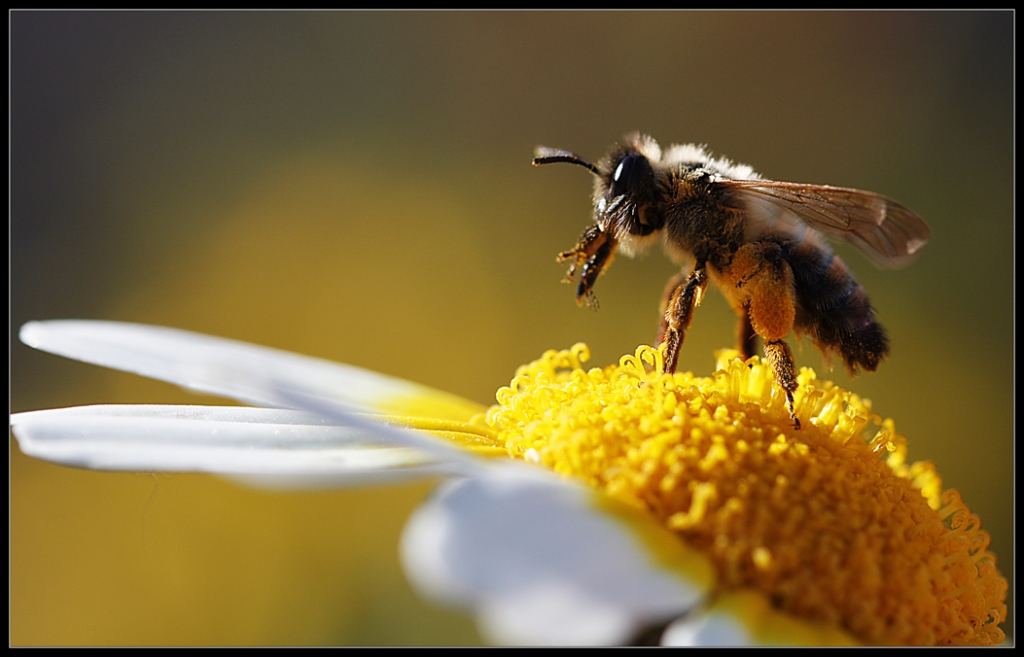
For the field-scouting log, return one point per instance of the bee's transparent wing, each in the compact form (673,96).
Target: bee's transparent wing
(886,231)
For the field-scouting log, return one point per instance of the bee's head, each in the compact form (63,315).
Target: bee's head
(626,191)
(625,196)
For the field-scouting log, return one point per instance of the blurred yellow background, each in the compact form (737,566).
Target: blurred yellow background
(357,186)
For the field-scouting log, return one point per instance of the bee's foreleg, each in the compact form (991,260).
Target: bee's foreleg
(592,254)
(592,268)
(588,243)
(682,300)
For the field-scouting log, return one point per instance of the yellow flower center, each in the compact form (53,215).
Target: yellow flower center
(829,522)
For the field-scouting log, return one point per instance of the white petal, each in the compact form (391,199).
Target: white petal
(282,447)
(459,460)
(235,369)
(546,561)
(707,629)
(747,618)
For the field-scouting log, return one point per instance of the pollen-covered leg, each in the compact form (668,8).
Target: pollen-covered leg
(679,313)
(778,354)
(772,311)
(772,305)
(594,252)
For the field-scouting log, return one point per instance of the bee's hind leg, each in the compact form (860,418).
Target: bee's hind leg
(771,309)
(778,354)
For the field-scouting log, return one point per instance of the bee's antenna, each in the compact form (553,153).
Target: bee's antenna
(545,155)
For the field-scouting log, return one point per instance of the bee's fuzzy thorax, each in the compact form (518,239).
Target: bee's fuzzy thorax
(692,154)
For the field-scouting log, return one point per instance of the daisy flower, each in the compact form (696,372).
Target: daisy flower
(588,506)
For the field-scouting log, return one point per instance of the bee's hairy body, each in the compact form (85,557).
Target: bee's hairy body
(755,239)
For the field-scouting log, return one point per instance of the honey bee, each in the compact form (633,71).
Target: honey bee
(758,240)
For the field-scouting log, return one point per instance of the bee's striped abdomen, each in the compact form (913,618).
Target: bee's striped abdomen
(833,310)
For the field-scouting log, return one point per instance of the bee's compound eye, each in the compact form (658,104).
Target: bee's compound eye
(623,172)
(630,173)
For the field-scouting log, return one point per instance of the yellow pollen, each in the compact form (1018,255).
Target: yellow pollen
(829,522)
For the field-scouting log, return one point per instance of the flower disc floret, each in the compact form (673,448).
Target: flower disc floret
(829,521)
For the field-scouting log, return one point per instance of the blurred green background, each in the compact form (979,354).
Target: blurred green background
(357,186)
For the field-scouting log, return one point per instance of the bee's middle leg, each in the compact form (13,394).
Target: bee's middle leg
(674,283)
(682,296)
(746,336)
